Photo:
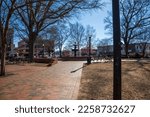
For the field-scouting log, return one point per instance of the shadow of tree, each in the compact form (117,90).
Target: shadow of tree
(136,82)
(97,81)
(94,85)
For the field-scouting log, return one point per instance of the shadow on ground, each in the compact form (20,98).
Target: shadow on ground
(97,81)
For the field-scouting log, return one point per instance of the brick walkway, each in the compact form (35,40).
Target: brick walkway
(61,81)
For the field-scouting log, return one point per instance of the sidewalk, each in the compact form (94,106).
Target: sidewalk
(123,60)
(59,82)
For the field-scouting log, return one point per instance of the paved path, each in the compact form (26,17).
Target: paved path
(123,60)
(61,81)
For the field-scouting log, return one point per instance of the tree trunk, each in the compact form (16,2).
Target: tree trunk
(126,50)
(3,54)
(32,38)
(31,51)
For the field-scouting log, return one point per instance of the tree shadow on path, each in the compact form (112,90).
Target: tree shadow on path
(78,69)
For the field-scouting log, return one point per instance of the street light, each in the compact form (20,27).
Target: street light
(89,57)
(117,51)
(75,50)
(43,50)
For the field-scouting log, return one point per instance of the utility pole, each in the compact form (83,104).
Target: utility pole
(117,51)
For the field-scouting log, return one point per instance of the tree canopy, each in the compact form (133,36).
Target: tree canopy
(135,18)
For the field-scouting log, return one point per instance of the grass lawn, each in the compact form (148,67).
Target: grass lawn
(97,81)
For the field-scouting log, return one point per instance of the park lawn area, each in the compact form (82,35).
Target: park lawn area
(97,81)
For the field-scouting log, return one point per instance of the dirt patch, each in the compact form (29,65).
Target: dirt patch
(97,81)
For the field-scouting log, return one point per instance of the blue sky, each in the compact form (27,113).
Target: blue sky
(96,19)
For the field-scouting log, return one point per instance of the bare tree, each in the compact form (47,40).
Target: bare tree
(36,17)
(90,32)
(6,11)
(77,35)
(48,37)
(49,46)
(135,16)
(63,35)
(143,40)
(59,33)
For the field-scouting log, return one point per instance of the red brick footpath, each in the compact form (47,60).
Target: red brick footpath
(34,81)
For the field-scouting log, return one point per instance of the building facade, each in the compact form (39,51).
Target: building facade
(23,49)
(41,48)
(10,46)
(136,49)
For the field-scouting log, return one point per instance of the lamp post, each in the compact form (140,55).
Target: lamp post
(43,50)
(89,57)
(75,50)
(117,51)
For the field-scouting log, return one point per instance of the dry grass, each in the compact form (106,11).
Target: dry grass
(97,81)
